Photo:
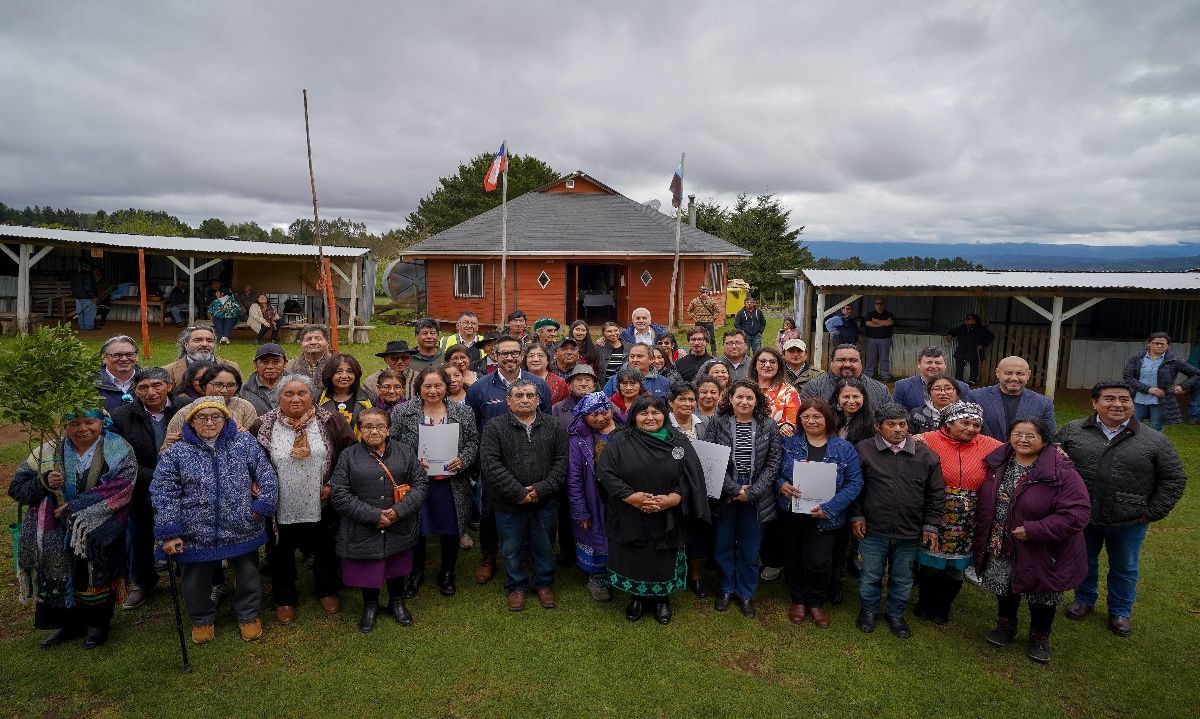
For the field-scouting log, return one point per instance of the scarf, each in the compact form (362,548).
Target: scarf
(300,448)
(268,313)
(660,433)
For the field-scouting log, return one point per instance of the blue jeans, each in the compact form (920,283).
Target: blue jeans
(1194,407)
(224,325)
(85,313)
(739,536)
(898,555)
(528,531)
(1123,545)
(879,356)
(176,312)
(755,341)
(1152,412)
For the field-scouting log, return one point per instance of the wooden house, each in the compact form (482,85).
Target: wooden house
(576,249)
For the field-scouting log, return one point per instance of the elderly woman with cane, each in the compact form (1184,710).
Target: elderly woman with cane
(210,492)
(71,554)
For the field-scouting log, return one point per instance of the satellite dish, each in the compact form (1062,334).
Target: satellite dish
(405,281)
(653,204)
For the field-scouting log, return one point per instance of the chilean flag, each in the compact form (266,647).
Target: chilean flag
(500,164)
(676,187)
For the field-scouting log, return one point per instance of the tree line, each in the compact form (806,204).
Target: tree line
(759,224)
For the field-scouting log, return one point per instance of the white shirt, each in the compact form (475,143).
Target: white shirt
(648,338)
(1111,434)
(299,480)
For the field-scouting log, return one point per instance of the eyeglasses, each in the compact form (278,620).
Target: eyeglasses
(768,362)
(209,418)
(222,385)
(509,353)
(364,428)
(1027,436)
(123,355)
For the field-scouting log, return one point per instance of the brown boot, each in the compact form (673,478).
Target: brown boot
(285,614)
(516,600)
(331,604)
(486,570)
(203,634)
(546,597)
(820,617)
(250,631)
(797,613)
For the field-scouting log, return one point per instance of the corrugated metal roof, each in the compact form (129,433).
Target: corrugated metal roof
(174,245)
(932,279)
(564,223)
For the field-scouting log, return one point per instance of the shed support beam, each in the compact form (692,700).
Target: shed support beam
(353,301)
(1056,317)
(191,270)
(817,358)
(25,259)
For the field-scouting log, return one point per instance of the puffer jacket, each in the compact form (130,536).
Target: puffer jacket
(1137,474)
(765,467)
(361,490)
(1170,368)
(1051,504)
(849,476)
(202,494)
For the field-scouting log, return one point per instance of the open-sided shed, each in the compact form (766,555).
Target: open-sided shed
(46,258)
(1104,315)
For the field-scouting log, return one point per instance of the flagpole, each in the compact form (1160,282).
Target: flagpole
(678,229)
(504,237)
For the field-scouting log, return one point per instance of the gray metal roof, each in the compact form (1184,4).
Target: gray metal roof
(997,280)
(172,245)
(579,224)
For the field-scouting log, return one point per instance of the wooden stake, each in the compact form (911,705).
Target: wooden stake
(325,279)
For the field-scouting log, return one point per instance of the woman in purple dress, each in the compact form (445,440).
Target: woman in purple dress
(586,437)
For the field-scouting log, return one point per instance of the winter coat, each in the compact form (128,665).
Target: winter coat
(752,323)
(257,395)
(1171,367)
(488,396)
(627,334)
(583,493)
(241,412)
(361,490)
(765,464)
(512,459)
(849,476)
(971,341)
(133,424)
(113,396)
(603,353)
(1139,473)
(903,492)
(1051,502)
(1031,404)
(822,386)
(203,495)
(406,420)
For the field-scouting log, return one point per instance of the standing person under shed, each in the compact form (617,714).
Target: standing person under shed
(314,340)
(878,329)
(197,343)
(85,291)
(705,311)
(847,362)
(1134,477)
(973,340)
(1009,399)
(751,320)
(1152,374)
(843,327)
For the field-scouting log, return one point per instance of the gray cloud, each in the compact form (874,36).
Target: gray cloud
(967,121)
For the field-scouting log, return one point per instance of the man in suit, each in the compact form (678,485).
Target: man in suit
(913,391)
(1008,399)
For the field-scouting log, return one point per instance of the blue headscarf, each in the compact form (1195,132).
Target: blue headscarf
(594,402)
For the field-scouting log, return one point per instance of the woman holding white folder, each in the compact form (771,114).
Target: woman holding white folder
(809,537)
(444,512)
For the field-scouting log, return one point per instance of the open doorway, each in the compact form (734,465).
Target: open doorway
(597,292)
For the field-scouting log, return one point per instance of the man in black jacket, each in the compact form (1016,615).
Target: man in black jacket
(1134,477)
(143,424)
(899,509)
(524,460)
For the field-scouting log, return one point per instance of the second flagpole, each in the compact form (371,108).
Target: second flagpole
(504,236)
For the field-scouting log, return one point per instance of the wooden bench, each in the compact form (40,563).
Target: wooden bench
(51,292)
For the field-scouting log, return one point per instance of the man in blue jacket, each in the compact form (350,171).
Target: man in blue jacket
(639,357)
(1008,400)
(912,392)
(642,329)
(750,319)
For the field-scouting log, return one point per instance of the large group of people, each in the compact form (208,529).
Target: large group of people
(584,451)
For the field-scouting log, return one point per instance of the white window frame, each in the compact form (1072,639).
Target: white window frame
(468,291)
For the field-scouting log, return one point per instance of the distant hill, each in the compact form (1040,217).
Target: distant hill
(1024,255)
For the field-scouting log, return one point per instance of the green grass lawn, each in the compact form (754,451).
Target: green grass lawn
(468,656)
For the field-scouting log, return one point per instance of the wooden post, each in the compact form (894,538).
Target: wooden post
(817,357)
(353,302)
(191,273)
(142,302)
(1055,339)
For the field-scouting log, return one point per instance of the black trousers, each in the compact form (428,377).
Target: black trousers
(807,558)
(1041,616)
(842,547)
(395,587)
(565,531)
(448,546)
(966,362)
(771,551)
(316,538)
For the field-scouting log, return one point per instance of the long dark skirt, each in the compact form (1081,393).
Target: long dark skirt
(644,571)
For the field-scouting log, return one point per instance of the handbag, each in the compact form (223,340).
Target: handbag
(399,491)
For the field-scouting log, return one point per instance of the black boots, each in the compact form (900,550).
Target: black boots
(400,613)
(445,583)
(1004,633)
(367,622)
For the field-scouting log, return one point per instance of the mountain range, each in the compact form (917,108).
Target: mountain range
(1025,255)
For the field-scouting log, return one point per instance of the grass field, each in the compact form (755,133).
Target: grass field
(467,656)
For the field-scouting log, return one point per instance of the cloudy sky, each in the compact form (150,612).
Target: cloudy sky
(952,121)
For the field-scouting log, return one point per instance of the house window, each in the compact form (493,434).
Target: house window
(716,276)
(468,280)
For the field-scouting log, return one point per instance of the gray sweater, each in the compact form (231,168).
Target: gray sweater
(513,458)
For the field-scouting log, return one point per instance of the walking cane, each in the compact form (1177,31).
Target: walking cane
(171,565)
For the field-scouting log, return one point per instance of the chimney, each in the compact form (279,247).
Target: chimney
(692,210)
